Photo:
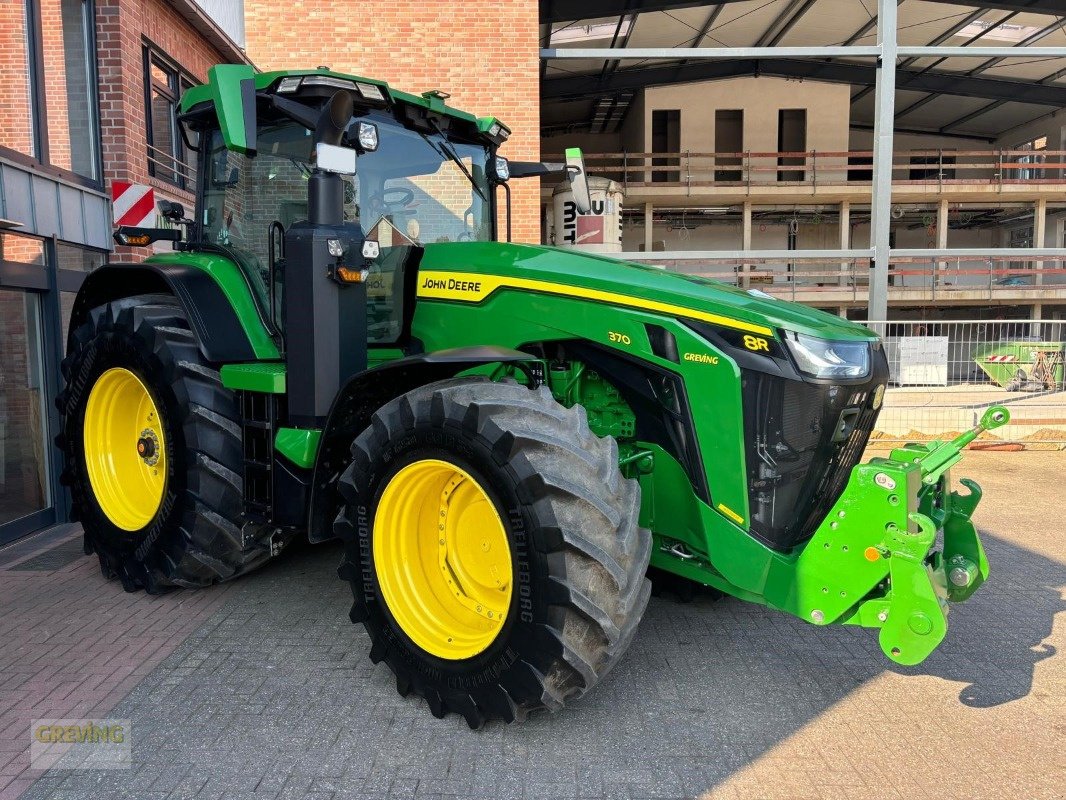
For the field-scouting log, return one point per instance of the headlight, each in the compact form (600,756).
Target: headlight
(503,169)
(368,136)
(821,358)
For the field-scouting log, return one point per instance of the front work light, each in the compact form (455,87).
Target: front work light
(821,358)
(368,136)
(503,168)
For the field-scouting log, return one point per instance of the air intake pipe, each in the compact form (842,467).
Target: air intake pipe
(325,190)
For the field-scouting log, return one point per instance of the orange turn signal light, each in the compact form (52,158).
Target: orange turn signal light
(347,275)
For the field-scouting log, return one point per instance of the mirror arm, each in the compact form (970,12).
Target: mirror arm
(507,193)
(297,112)
(527,169)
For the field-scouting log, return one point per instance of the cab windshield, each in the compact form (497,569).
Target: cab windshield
(428,187)
(415,188)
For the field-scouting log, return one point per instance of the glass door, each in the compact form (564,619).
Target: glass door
(25,494)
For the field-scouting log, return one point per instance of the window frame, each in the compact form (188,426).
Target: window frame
(38,101)
(179,80)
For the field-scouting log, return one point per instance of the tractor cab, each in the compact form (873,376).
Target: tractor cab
(418,178)
(323,188)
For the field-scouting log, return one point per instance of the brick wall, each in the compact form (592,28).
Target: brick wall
(55,82)
(122,27)
(484,54)
(15,123)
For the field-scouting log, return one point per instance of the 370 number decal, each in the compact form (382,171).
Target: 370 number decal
(621,338)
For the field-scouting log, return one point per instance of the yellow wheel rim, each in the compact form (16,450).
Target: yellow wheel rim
(442,559)
(125,452)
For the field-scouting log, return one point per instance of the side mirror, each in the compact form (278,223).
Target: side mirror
(175,212)
(579,183)
(336,159)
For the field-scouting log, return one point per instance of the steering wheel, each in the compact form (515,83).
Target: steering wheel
(396,198)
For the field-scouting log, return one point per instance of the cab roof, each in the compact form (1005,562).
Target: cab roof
(225,87)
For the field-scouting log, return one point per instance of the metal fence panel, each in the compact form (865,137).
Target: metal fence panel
(944,374)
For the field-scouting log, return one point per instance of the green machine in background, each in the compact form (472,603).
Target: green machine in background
(1025,366)
(505,437)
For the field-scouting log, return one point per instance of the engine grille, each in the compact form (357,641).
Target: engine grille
(802,441)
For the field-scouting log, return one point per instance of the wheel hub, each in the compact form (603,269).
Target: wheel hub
(148,447)
(442,559)
(124,449)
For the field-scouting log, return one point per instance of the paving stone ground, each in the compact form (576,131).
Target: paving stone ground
(270,694)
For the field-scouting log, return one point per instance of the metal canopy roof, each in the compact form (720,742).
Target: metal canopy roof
(980,97)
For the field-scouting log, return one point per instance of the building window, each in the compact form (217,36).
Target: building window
(48,106)
(728,140)
(666,138)
(164,82)
(1037,147)
(16,96)
(792,138)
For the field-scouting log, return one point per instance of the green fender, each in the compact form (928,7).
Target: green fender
(211,290)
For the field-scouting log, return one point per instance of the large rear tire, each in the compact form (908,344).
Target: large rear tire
(505,499)
(152,449)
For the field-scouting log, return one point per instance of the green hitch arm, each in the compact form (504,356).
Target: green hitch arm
(946,454)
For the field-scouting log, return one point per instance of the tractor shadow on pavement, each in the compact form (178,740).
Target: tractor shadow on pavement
(996,639)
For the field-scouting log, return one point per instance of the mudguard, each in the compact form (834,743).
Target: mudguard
(219,333)
(364,394)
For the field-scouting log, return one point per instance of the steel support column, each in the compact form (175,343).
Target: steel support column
(941,235)
(649,225)
(881,190)
(845,239)
(745,245)
(1039,234)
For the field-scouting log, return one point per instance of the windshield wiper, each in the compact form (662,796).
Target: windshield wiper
(444,148)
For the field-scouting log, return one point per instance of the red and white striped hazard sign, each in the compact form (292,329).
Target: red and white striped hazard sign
(1000,359)
(134,204)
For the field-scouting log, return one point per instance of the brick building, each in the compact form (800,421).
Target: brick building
(89,98)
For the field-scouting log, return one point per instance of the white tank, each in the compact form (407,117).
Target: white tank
(599,231)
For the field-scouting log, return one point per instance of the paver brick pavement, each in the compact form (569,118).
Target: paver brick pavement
(271,694)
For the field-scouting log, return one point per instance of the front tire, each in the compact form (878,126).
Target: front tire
(477,460)
(152,449)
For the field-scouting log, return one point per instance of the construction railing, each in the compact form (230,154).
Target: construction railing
(944,374)
(816,168)
(796,276)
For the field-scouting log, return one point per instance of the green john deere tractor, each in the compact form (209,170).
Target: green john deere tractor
(504,437)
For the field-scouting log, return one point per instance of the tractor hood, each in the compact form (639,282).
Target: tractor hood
(570,271)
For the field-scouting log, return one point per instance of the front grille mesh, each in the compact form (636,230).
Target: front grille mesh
(802,441)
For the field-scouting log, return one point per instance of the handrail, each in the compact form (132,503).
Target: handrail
(167,161)
(800,275)
(688,168)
